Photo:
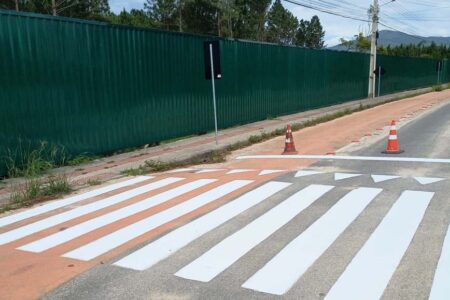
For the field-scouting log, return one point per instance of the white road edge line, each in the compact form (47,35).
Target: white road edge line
(232,248)
(337,157)
(167,245)
(54,220)
(441,287)
(370,271)
(282,271)
(121,236)
(68,201)
(78,230)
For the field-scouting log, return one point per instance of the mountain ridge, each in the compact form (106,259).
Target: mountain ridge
(395,38)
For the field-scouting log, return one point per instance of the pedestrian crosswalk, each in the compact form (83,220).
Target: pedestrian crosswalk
(156,202)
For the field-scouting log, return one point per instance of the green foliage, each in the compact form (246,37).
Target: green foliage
(201,16)
(281,25)
(421,50)
(360,43)
(244,19)
(30,161)
(310,34)
(36,189)
(88,9)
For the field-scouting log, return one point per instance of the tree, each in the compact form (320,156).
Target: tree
(164,13)
(201,16)
(314,38)
(362,43)
(136,17)
(251,20)
(281,25)
(310,34)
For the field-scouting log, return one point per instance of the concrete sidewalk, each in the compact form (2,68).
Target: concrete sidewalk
(109,168)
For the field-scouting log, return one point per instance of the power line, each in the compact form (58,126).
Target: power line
(327,11)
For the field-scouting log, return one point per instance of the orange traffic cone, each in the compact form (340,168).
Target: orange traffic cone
(289,147)
(392,145)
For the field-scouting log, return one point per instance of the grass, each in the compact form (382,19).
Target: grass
(36,190)
(28,161)
(437,88)
(93,182)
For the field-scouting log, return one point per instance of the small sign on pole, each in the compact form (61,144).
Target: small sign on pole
(211,51)
(379,71)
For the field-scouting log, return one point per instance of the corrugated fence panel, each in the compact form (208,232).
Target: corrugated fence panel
(406,73)
(96,88)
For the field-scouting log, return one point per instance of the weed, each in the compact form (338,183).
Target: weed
(30,162)
(133,171)
(437,88)
(92,182)
(81,159)
(35,190)
(56,185)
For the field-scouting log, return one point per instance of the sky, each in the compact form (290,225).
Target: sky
(415,17)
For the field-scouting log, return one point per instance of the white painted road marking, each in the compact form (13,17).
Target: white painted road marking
(235,171)
(208,171)
(341,176)
(227,252)
(427,180)
(124,212)
(165,246)
(68,201)
(337,157)
(368,274)
(280,273)
(132,231)
(441,287)
(265,172)
(381,178)
(29,229)
(303,173)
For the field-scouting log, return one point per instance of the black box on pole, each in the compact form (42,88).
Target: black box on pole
(216,59)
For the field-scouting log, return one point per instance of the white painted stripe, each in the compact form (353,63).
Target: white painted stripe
(177,239)
(40,225)
(428,180)
(132,231)
(265,172)
(393,137)
(337,157)
(227,252)
(208,171)
(182,170)
(370,271)
(381,178)
(68,201)
(341,176)
(114,216)
(280,273)
(303,173)
(239,171)
(441,287)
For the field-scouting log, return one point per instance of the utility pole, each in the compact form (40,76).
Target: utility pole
(373,49)
(17,5)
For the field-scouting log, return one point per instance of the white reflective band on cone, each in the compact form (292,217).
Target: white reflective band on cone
(392,137)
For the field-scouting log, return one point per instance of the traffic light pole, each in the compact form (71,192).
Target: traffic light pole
(373,49)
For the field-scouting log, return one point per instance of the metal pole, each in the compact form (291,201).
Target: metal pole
(379,80)
(373,50)
(213,90)
(439,72)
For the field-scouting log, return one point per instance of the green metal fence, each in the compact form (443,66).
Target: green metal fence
(96,88)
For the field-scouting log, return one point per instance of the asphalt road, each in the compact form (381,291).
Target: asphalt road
(352,238)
